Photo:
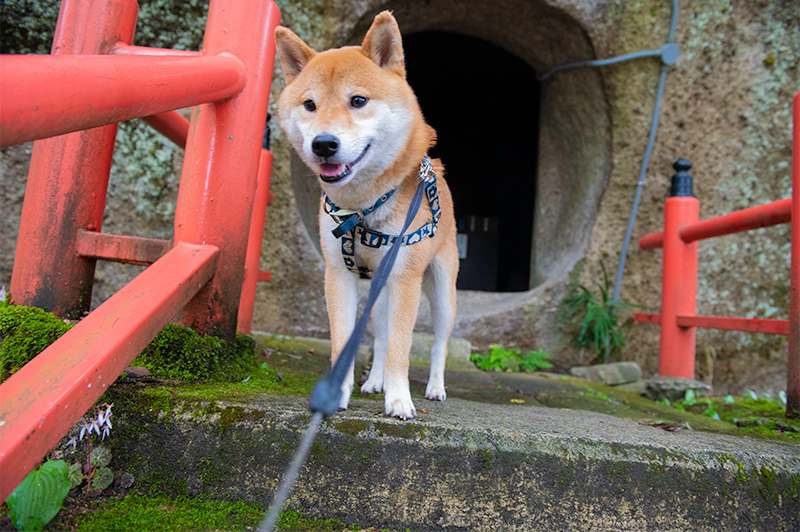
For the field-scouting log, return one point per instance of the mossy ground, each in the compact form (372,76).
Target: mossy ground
(283,366)
(24,333)
(157,512)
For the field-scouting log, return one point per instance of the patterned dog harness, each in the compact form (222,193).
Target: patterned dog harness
(351,225)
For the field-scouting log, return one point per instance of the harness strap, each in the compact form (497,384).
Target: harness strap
(350,227)
(347,220)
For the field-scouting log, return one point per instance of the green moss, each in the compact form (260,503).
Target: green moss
(166,514)
(175,353)
(182,354)
(352,427)
(406,431)
(25,332)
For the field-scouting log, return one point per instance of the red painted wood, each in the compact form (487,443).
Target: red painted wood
(777,212)
(678,289)
(45,398)
(46,95)
(218,183)
(643,317)
(120,248)
(753,325)
(172,125)
(252,274)
(68,176)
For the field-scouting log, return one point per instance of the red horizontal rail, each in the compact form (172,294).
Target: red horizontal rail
(644,317)
(127,49)
(120,248)
(752,325)
(49,95)
(775,213)
(652,241)
(170,124)
(769,214)
(50,394)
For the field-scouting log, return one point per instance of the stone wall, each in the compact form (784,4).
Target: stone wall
(726,108)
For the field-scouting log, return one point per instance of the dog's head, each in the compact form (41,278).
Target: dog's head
(348,112)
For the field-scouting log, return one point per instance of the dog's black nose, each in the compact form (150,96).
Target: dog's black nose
(325,145)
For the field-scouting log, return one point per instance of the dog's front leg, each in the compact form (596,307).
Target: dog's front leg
(404,296)
(341,296)
(380,324)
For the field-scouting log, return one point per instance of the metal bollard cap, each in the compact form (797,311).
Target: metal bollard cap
(682,180)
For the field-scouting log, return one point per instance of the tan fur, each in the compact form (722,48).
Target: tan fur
(392,137)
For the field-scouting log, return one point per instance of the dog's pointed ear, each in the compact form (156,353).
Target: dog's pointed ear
(384,44)
(293,53)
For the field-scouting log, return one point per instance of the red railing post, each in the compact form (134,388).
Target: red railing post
(793,364)
(679,284)
(68,177)
(218,182)
(253,257)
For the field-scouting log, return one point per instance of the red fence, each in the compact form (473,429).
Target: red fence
(95,78)
(682,231)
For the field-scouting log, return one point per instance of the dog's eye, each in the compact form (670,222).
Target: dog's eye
(310,106)
(358,101)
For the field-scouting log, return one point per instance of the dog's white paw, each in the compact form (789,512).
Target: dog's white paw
(373,385)
(435,392)
(347,391)
(402,407)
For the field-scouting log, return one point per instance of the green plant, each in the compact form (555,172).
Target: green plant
(534,360)
(502,359)
(39,497)
(600,319)
(96,471)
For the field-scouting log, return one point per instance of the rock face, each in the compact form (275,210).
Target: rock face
(673,388)
(612,374)
(726,107)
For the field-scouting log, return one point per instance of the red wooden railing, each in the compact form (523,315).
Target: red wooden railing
(682,231)
(95,78)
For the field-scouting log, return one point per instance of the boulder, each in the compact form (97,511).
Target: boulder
(612,374)
(674,388)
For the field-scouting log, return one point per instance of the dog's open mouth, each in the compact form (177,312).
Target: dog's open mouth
(331,173)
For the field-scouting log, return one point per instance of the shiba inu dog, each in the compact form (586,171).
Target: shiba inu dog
(355,121)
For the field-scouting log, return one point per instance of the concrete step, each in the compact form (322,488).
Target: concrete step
(461,465)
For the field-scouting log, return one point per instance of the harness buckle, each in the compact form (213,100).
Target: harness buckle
(371,239)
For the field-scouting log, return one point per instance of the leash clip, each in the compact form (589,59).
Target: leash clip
(426,172)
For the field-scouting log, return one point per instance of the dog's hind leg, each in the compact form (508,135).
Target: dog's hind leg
(380,323)
(439,285)
(341,296)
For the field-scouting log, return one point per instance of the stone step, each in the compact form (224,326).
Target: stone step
(463,465)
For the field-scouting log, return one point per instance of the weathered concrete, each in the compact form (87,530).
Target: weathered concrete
(463,465)
(612,374)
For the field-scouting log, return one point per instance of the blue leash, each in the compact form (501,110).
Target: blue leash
(327,393)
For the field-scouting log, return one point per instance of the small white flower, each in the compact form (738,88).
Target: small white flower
(73,443)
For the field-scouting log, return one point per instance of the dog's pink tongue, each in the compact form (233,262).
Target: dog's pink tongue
(331,170)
